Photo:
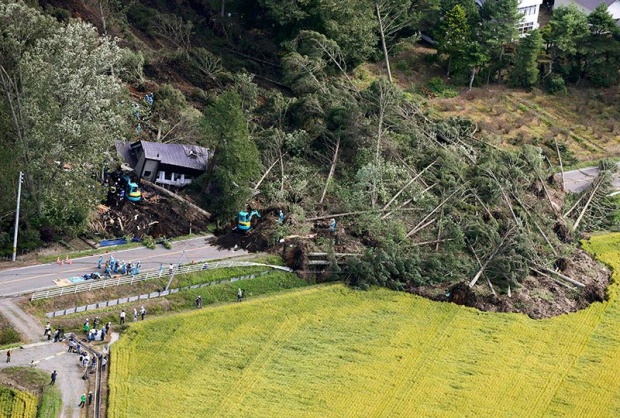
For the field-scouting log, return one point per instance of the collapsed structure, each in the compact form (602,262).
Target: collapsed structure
(174,165)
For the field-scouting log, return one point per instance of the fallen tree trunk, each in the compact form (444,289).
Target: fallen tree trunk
(421,224)
(552,278)
(359,212)
(568,279)
(177,197)
(557,149)
(266,174)
(332,169)
(585,208)
(407,185)
(496,251)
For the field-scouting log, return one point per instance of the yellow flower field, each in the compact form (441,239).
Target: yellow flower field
(328,351)
(17,404)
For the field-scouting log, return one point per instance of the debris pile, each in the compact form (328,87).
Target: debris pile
(154,215)
(261,237)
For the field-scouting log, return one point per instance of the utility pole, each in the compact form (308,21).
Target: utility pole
(19,193)
(174,270)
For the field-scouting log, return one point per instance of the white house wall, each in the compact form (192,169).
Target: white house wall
(530,10)
(176,180)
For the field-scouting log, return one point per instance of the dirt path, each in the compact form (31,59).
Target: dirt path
(30,329)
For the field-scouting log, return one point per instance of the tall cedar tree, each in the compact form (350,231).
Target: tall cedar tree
(454,35)
(564,35)
(469,6)
(499,28)
(235,161)
(602,49)
(525,71)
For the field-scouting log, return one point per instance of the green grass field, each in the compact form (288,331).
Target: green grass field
(40,399)
(333,352)
(17,404)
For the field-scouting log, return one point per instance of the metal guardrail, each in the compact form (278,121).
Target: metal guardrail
(156,294)
(147,275)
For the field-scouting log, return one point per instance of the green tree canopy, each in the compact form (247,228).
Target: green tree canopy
(454,34)
(602,56)
(499,28)
(564,36)
(525,71)
(235,161)
(58,88)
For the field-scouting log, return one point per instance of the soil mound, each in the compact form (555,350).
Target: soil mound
(539,297)
(155,215)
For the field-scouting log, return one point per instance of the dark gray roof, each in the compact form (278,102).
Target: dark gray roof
(591,4)
(188,156)
(178,155)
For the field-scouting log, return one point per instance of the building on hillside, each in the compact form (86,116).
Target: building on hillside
(587,6)
(529,9)
(165,164)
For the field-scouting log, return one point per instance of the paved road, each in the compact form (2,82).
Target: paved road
(28,279)
(577,180)
(49,356)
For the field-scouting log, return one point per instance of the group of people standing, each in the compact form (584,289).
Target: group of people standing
(115,266)
(58,335)
(142,314)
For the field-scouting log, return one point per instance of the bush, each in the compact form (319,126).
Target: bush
(142,17)
(555,84)
(28,239)
(149,242)
(131,66)
(439,87)
(8,335)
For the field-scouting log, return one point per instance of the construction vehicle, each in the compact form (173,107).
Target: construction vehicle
(131,189)
(244,220)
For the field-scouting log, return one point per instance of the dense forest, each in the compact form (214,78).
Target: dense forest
(278,90)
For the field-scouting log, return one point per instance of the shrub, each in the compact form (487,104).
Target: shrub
(131,66)
(149,242)
(439,87)
(555,84)
(142,17)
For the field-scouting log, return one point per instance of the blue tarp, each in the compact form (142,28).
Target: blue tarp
(111,242)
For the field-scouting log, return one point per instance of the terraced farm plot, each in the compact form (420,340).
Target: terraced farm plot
(586,124)
(333,352)
(17,404)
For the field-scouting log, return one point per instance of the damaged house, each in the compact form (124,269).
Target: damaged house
(173,165)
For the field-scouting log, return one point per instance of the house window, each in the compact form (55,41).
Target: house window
(167,175)
(147,174)
(528,11)
(525,27)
